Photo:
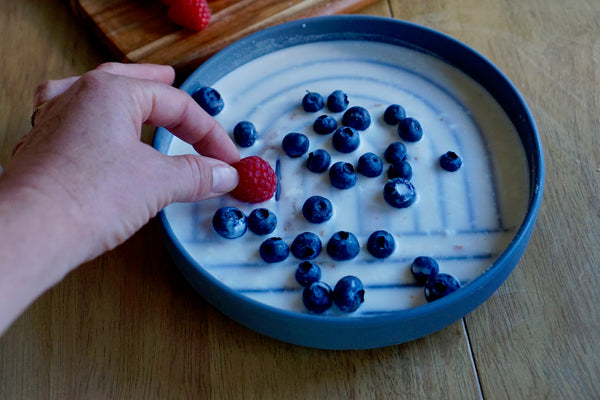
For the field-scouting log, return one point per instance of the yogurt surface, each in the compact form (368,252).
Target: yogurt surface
(463,219)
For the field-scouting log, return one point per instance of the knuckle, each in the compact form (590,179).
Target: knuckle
(43,92)
(92,78)
(108,66)
(98,82)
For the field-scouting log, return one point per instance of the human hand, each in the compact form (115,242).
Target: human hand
(84,152)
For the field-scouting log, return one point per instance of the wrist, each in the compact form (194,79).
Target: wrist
(41,228)
(38,245)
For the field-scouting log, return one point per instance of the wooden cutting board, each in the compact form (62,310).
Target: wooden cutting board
(140,31)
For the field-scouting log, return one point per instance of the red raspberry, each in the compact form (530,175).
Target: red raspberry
(191,14)
(258,181)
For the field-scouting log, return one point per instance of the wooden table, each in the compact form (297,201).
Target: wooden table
(128,326)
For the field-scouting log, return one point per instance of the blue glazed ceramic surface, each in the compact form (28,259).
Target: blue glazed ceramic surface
(380,328)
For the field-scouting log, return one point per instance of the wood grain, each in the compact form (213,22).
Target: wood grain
(128,326)
(140,31)
(538,336)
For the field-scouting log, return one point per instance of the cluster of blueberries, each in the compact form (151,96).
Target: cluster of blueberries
(399,192)
(348,293)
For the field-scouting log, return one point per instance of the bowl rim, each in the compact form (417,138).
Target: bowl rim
(432,42)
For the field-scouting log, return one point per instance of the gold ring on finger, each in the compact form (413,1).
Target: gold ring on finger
(36,112)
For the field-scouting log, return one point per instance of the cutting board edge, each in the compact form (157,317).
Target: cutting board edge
(185,64)
(89,23)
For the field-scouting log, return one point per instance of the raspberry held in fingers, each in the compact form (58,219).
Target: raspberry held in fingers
(257,180)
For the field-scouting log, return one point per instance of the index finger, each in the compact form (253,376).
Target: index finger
(154,72)
(52,88)
(175,110)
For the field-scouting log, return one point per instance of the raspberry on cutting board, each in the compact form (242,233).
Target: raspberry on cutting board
(258,181)
(191,14)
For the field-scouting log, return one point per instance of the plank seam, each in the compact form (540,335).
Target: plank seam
(473,361)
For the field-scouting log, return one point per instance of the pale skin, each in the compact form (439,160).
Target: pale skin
(81,181)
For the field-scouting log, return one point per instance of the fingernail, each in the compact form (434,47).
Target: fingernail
(225,178)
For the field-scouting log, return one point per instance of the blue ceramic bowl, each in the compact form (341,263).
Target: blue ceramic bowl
(384,329)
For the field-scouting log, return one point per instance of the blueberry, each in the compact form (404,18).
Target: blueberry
(394,114)
(343,246)
(307,273)
(317,209)
(370,165)
(424,268)
(337,101)
(244,133)
(345,139)
(395,152)
(317,297)
(209,99)
(450,161)
(325,124)
(342,175)
(399,193)
(229,222)
(440,285)
(312,102)
(295,144)
(348,294)
(318,161)
(357,117)
(410,130)
(400,169)
(262,221)
(381,244)
(274,249)
(306,246)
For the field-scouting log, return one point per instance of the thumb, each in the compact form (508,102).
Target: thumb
(200,178)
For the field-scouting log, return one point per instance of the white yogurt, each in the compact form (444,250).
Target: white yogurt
(463,219)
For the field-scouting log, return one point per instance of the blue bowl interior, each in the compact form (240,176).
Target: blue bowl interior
(396,327)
